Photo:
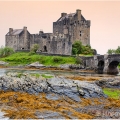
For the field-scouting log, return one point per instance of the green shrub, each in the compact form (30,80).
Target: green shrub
(6,51)
(57,59)
(78,60)
(34,48)
(78,48)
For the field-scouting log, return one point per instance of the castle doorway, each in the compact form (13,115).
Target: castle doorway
(45,48)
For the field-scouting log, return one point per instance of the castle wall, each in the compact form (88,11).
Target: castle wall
(41,40)
(12,41)
(59,46)
(24,40)
(75,26)
(81,31)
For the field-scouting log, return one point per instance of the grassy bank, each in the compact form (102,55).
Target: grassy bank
(112,93)
(22,58)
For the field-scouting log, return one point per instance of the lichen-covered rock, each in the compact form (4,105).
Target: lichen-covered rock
(74,89)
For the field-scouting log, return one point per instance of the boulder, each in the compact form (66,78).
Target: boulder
(64,66)
(109,82)
(36,65)
(2,63)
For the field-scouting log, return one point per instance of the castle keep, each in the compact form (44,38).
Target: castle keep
(67,29)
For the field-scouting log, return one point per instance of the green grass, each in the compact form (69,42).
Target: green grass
(19,75)
(22,58)
(113,93)
(89,55)
(46,76)
(37,75)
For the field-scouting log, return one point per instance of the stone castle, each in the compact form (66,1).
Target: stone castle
(67,29)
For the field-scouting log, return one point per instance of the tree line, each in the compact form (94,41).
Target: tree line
(114,51)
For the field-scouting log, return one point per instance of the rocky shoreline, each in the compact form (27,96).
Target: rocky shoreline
(58,85)
(37,65)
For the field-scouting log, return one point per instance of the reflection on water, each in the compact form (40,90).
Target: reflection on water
(3,71)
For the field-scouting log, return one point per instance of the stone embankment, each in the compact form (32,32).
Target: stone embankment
(74,89)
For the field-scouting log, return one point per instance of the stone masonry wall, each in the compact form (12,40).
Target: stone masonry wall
(75,27)
(12,41)
(24,42)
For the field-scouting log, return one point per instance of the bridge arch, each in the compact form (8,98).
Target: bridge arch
(113,66)
(100,66)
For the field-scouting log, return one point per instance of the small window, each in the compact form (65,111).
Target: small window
(44,36)
(80,34)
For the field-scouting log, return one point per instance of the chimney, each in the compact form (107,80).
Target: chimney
(63,14)
(25,37)
(10,31)
(41,32)
(78,12)
(25,29)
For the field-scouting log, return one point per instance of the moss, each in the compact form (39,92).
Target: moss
(112,93)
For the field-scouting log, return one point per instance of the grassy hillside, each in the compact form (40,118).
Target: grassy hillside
(25,58)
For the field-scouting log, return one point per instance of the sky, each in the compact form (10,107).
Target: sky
(40,15)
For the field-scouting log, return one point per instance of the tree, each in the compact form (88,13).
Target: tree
(6,51)
(77,48)
(111,51)
(117,50)
(35,48)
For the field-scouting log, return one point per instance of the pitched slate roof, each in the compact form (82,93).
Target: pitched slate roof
(68,15)
(15,32)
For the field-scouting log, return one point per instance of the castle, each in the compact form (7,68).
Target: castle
(67,29)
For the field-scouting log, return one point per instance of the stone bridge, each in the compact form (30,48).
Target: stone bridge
(103,63)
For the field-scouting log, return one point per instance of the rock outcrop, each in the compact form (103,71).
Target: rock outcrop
(109,82)
(74,89)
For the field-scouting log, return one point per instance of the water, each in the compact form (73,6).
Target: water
(3,71)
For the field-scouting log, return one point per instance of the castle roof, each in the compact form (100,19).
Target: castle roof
(70,15)
(15,32)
